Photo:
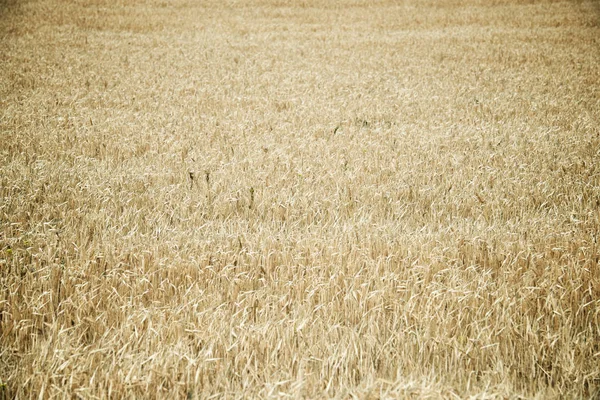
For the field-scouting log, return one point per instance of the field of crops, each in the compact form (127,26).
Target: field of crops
(306,199)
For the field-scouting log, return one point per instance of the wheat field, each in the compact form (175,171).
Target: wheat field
(303,199)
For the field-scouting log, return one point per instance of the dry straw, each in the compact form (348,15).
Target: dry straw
(277,199)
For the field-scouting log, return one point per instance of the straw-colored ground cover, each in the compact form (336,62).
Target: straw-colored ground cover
(299,199)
